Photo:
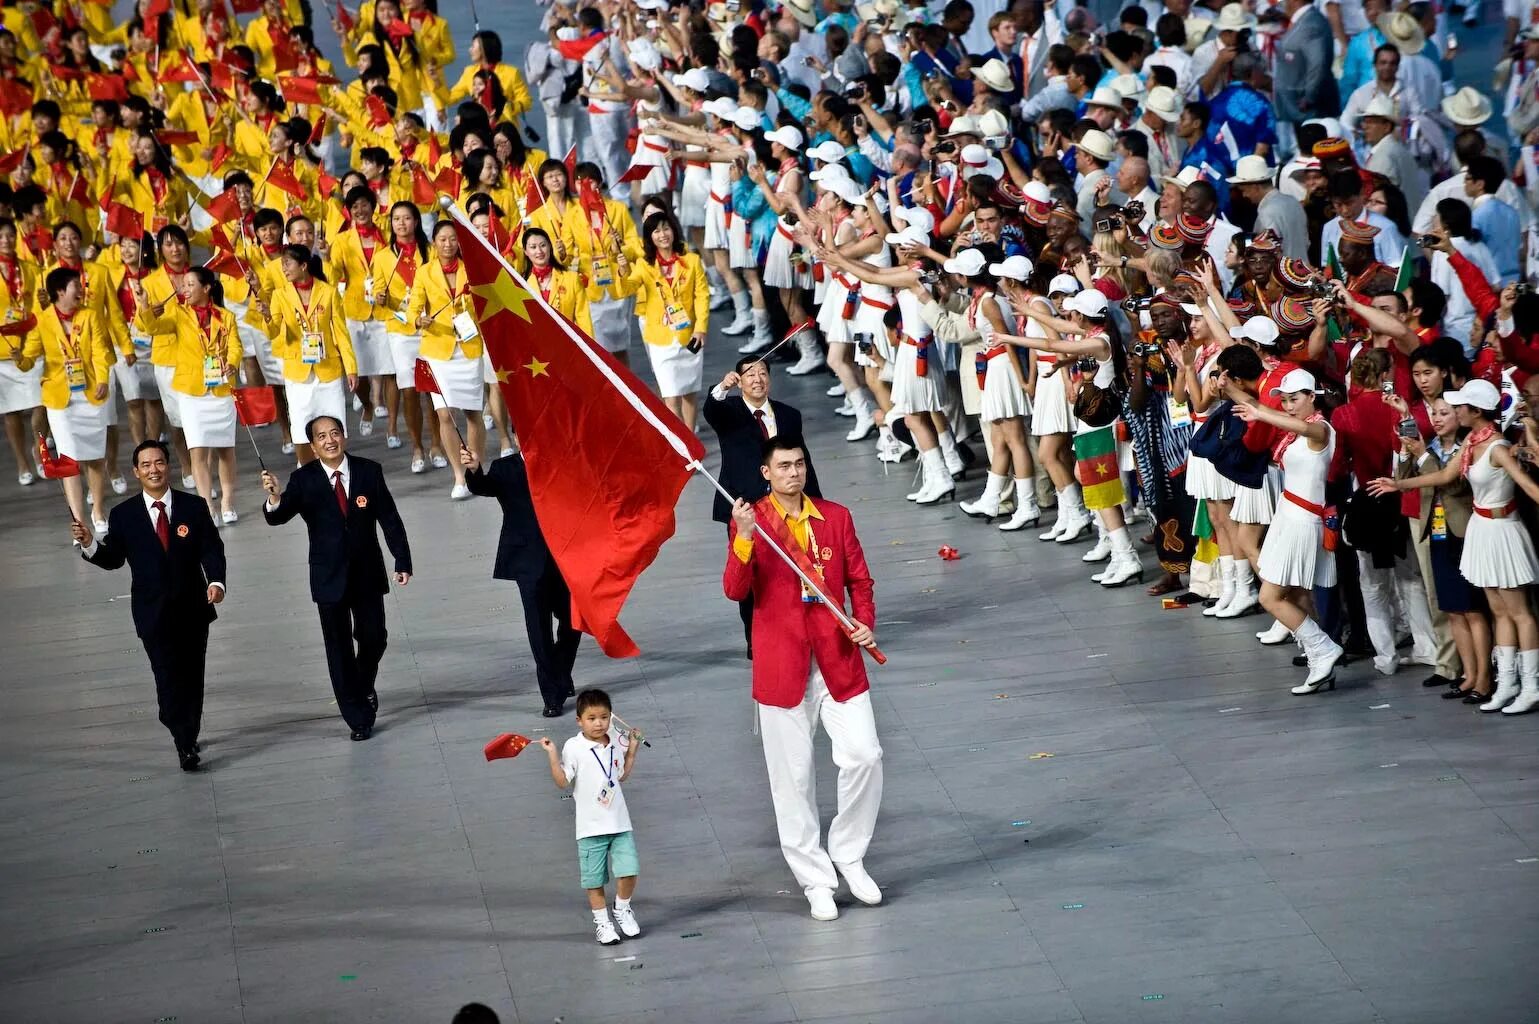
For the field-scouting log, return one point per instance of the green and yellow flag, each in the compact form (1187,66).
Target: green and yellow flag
(1095,455)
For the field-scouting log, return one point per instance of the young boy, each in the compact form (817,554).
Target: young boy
(592,763)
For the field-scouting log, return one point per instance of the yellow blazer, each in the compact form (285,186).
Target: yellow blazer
(222,342)
(291,319)
(135,191)
(432,296)
(159,290)
(84,340)
(346,265)
(13,311)
(569,297)
(558,227)
(388,282)
(99,295)
(691,292)
(514,89)
(592,245)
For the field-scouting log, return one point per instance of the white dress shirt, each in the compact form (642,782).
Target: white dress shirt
(347,481)
(720,394)
(149,506)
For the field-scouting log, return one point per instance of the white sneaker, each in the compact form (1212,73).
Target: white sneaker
(391,441)
(365,428)
(604,932)
(626,919)
(230,515)
(418,466)
(380,412)
(119,485)
(440,462)
(860,883)
(506,452)
(288,448)
(837,391)
(1275,634)
(459,493)
(822,903)
(188,482)
(26,479)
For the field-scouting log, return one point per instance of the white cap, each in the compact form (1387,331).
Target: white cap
(995,74)
(1234,18)
(993,124)
(1260,329)
(1091,302)
(1038,192)
(1129,87)
(694,79)
(788,136)
(915,217)
(722,106)
(1163,101)
(828,174)
(827,151)
(747,118)
(1297,380)
(1185,178)
(993,168)
(1063,284)
(968,263)
(1016,268)
(964,125)
(911,235)
(847,189)
(1480,393)
(1381,107)
(644,55)
(974,155)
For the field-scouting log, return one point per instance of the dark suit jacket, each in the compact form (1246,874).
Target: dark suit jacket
(521,550)
(170,584)
(737,433)
(345,551)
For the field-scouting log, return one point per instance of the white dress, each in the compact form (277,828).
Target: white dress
(22,391)
(833,312)
(651,151)
(875,301)
(1293,554)
(779,271)
(716,205)
(1497,552)
(695,191)
(1003,394)
(1052,409)
(913,392)
(1202,480)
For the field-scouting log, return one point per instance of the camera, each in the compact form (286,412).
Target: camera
(856,90)
(929,278)
(1106,224)
(864,342)
(1145,349)
(733,6)
(1428,241)
(1407,429)
(922,127)
(1320,288)
(1523,288)
(1087,364)
(995,143)
(1137,305)
(945,148)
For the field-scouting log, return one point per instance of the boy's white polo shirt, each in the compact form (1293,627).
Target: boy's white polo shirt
(584,763)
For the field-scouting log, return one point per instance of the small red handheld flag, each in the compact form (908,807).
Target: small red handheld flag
(636,172)
(54,468)
(106,87)
(423,193)
(225,207)
(571,162)
(256,406)
(10,161)
(509,744)
(399,29)
(282,177)
(178,138)
(222,261)
(297,89)
(423,379)
(124,221)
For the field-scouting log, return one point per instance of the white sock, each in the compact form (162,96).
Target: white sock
(1121,541)
(622,904)
(600,916)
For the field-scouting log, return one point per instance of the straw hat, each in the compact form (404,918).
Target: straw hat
(1164,103)
(995,74)
(1467,108)
(1098,144)
(1251,170)
(1382,107)
(1402,31)
(1234,18)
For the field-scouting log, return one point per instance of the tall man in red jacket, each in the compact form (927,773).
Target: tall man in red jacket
(805,668)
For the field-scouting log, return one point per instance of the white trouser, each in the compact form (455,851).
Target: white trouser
(787,735)
(560,128)
(607,149)
(1382,588)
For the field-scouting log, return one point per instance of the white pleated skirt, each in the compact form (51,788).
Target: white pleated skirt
(693,195)
(207,420)
(1052,412)
(779,271)
(403,356)
(1205,482)
(868,320)
(163,375)
(20,391)
(831,318)
(1293,554)
(739,245)
(678,371)
(312,398)
(459,381)
(1004,396)
(80,429)
(1257,505)
(137,382)
(371,348)
(715,223)
(912,393)
(1498,553)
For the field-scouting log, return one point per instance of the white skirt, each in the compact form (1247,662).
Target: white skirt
(1293,554)
(1004,398)
(163,375)
(869,320)
(693,196)
(715,223)
(1498,553)
(403,356)
(136,382)
(20,391)
(612,322)
(80,428)
(459,380)
(1257,505)
(679,371)
(371,348)
(1205,482)
(831,318)
(255,344)
(739,245)
(779,271)
(312,398)
(208,420)
(1052,412)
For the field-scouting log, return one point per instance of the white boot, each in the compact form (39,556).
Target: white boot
(1246,594)
(938,485)
(720,296)
(835,391)
(890,449)
(1275,634)
(1507,686)
(1323,653)
(761,338)
(1074,515)
(742,310)
(1124,566)
(811,353)
(1225,587)
(1528,694)
(1026,511)
(1061,503)
(986,505)
(948,447)
(864,405)
(1101,551)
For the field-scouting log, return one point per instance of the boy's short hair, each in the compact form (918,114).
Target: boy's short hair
(592,699)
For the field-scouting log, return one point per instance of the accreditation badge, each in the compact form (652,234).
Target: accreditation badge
(675,317)
(602,275)
(312,349)
(74,374)
(212,374)
(1439,521)
(465,327)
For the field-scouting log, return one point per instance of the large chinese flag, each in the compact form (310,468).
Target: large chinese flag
(605,458)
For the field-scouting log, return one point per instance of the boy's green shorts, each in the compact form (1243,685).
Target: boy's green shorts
(600,858)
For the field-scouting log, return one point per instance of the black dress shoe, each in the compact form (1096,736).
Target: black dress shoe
(1455,694)
(1440,680)
(373,701)
(1476,698)
(190,761)
(553,710)
(197,748)
(359,735)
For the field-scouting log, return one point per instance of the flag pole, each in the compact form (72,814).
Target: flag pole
(673,439)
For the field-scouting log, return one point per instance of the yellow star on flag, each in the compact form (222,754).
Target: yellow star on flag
(502,294)
(502,376)
(537,368)
(1102,469)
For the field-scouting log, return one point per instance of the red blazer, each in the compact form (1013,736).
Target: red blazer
(788,632)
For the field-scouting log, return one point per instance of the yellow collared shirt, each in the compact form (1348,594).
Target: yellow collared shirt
(796,522)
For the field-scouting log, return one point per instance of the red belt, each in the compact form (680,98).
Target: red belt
(785,232)
(654,147)
(876,304)
(718,199)
(1307,506)
(905,339)
(1496,513)
(697,163)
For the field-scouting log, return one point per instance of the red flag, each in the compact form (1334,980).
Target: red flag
(571,163)
(105,199)
(219,240)
(80,191)
(220,76)
(15,97)
(246,6)
(422,191)
(285,57)
(606,460)
(592,204)
(10,161)
(179,138)
(177,68)
(256,406)
(379,113)
(225,207)
(106,87)
(435,152)
(497,233)
(448,181)
(636,172)
(399,29)
(325,184)
(423,380)
(217,158)
(345,17)
(156,8)
(125,221)
(54,468)
(509,744)
(318,132)
(576,49)
(282,177)
(296,89)
(225,262)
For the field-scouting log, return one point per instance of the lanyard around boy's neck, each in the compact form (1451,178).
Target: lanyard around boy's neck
(606,763)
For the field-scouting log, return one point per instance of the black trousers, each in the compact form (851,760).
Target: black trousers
(354,632)
(745,612)
(552,640)
(177,658)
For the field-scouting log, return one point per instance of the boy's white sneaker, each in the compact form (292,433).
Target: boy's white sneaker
(860,883)
(605,932)
(625,917)
(822,903)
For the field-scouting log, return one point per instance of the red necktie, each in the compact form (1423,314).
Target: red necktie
(162,525)
(758,414)
(336,480)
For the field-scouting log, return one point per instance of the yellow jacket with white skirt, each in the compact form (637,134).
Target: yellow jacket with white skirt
(205,359)
(672,308)
(564,290)
(444,297)
(307,335)
(75,353)
(595,255)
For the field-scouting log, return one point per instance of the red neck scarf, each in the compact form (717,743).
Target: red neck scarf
(1467,453)
(542,276)
(1288,438)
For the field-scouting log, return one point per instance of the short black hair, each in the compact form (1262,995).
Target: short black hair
(146,445)
(310,426)
(477,1013)
(780,443)
(1241,363)
(745,362)
(1488,171)
(1345,184)
(594,698)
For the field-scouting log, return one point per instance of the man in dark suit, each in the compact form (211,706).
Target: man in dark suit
(172,547)
(342,498)
(742,424)
(522,556)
